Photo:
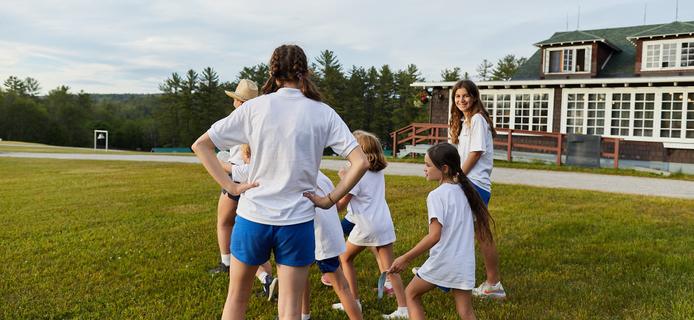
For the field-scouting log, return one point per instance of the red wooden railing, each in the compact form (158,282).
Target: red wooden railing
(435,133)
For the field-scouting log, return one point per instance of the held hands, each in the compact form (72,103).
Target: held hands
(320,202)
(399,265)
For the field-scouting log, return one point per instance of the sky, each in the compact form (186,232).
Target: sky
(132,46)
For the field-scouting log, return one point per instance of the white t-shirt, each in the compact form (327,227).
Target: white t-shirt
(369,212)
(239,172)
(330,241)
(477,137)
(287,133)
(451,261)
(235,156)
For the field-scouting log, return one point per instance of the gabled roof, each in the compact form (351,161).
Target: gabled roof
(574,37)
(621,62)
(671,29)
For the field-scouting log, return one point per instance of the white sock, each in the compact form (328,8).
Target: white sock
(226,259)
(402,309)
(305,316)
(261,276)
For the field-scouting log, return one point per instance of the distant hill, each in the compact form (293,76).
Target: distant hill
(122,97)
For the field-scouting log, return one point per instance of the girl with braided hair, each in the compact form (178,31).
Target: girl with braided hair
(456,212)
(287,128)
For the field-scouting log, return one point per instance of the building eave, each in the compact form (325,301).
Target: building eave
(559,82)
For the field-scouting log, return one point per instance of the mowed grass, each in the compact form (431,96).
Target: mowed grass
(100,239)
(18,146)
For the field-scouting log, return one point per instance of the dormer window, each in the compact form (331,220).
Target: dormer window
(668,55)
(568,59)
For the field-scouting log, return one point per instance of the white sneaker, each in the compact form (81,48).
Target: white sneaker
(414,270)
(338,306)
(486,290)
(400,313)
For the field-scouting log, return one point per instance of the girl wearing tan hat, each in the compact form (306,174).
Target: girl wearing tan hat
(288,127)
(227,203)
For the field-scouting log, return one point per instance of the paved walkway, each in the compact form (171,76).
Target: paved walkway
(540,178)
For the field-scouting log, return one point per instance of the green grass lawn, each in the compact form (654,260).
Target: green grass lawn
(17,146)
(98,239)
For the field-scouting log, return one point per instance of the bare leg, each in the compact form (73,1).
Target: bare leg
(381,267)
(306,301)
(386,255)
(463,303)
(265,267)
(240,282)
(226,213)
(491,259)
(291,291)
(415,290)
(341,288)
(347,262)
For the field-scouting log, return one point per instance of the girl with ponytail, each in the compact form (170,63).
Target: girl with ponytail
(287,128)
(455,213)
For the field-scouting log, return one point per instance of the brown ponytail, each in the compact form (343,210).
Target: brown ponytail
(288,64)
(445,154)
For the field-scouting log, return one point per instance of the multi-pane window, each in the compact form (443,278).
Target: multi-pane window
(687,53)
(621,104)
(644,110)
(540,112)
(503,111)
(652,56)
(690,116)
(574,113)
(671,115)
(522,113)
(567,60)
(668,54)
(596,114)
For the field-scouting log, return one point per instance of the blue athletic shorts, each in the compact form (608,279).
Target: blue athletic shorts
(328,265)
(347,226)
(293,245)
(484,194)
(444,289)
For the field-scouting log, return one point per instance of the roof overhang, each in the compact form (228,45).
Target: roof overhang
(634,38)
(561,82)
(571,43)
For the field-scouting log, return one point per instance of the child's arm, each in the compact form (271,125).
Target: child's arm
(471,161)
(343,202)
(204,150)
(226,166)
(358,167)
(422,246)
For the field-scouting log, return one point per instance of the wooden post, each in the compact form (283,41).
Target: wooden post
(509,144)
(559,146)
(395,144)
(616,153)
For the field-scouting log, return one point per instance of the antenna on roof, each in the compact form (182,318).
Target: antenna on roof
(677,9)
(578,19)
(645,7)
(567,21)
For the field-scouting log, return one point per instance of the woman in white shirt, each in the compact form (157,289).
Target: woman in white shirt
(472,130)
(287,128)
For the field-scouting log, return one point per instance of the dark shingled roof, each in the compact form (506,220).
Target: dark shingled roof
(621,64)
(674,28)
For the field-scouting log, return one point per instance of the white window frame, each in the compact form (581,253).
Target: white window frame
(513,93)
(587,59)
(661,54)
(657,111)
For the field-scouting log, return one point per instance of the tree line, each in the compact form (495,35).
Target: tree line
(379,100)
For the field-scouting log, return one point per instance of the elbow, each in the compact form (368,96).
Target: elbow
(195,147)
(363,163)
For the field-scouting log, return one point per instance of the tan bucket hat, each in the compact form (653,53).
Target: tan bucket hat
(245,90)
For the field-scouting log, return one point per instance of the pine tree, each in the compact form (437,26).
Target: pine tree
(450,74)
(484,70)
(506,67)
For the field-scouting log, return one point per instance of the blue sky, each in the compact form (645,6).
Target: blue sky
(128,46)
